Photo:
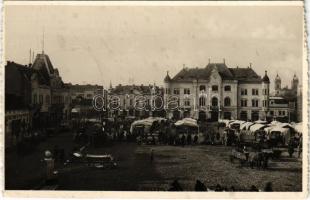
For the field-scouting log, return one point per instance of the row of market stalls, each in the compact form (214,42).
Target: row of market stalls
(272,130)
(153,121)
(159,129)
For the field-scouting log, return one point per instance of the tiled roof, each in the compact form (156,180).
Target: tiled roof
(43,64)
(240,74)
(82,87)
(133,89)
(245,74)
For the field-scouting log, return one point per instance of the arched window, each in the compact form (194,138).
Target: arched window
(214,101)
(202,101)
(227,101)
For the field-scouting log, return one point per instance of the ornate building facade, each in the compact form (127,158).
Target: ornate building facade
(135,101)
(217,92)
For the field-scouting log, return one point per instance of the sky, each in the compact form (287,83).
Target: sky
(123,45)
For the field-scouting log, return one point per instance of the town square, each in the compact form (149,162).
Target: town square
(112,98)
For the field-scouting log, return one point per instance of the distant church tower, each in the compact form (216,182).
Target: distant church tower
(277,85)
(265,89)
(295,83)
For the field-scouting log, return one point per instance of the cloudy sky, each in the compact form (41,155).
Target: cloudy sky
(99,44)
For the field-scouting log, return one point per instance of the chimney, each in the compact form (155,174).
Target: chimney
(250,65)
(224,60)
(209,60)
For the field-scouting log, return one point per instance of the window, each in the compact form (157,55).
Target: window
(282,112)
(202,101)
(215,88)
(227,101)
(254,91)
(271,112)
(265,103)
(187,91)
(244,103)
(214,101)
(88,95)
(167,91)
(47,99)
(187,102)
(265,91)
(244,91)
(202,87)
(34,98)
(227,88)
(40,99)
(254,103)
(176,91)
(130,102)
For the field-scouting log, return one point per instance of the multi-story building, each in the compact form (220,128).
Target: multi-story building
(37,93)
(49,93)
(85,91)
(18,112)
(82,100)
(281,109)
(135,100)
(217,92)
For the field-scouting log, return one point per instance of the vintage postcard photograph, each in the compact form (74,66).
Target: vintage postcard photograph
(164,99)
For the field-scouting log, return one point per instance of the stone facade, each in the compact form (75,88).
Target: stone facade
(135,101)
(217,92)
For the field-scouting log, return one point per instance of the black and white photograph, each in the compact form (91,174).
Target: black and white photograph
(152,97)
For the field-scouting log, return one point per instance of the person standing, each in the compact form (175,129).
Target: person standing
(291,147)
(196,138)
(300,146)
(189,139)
(183,140)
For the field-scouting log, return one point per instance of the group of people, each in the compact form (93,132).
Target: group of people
(201,187)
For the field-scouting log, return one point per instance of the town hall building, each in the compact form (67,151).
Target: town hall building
(217,92)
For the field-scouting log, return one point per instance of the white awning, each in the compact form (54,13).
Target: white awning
(187,122)
(260,122)
(246,125)
(298,127)
(256,127)
(237,122)
(76,110)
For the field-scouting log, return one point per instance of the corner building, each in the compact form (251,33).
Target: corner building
(217,92)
